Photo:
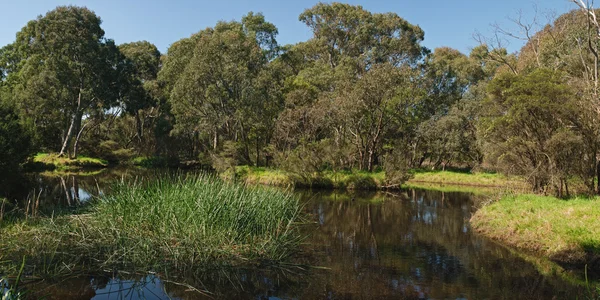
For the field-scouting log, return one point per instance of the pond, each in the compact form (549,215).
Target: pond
(412,244)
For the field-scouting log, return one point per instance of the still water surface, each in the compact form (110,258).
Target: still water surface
(414,244)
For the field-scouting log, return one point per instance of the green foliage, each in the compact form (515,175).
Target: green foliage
(112,152)
(66,69)
(361,94)
(529,129)
(221,87)
(154,162)
(15,140)
(183,223)
(10,291)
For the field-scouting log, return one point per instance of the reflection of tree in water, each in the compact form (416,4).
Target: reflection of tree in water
(64,191)
(417,244)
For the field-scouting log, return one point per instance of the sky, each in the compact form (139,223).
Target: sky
(449,23)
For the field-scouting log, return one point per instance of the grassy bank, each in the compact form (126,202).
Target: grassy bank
(327,180)
(190,223)
(51,161)
(359,180)
(493,180)
(563,230)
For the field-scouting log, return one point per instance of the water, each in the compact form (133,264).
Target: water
(413,244)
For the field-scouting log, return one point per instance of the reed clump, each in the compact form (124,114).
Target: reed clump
(187,222)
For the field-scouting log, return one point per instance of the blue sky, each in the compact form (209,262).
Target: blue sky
(162,22)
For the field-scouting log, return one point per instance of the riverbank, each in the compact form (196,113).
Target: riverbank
(325,180)
(359,180)
(183,224)
(52,161)
(566,231)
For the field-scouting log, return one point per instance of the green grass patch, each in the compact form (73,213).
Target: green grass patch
(564,230)
(468,179)
(451,188)
(63,163)
(352,180)
(447,181)
(192,223)
(154,162)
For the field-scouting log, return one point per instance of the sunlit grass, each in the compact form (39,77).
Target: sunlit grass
(65,163)
(361,180)
(566,230)
(468,178)
(196,222)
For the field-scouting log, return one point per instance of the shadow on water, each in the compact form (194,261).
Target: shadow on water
(414,244)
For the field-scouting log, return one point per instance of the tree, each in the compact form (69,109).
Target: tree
(65,71)
(351,34)
(530,128)
(446,126)
(15,141)
(324,104)
(226,90)
(140,70)
(380,100)
(570,44)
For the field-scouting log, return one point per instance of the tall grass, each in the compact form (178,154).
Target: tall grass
(189,222)
(12,292)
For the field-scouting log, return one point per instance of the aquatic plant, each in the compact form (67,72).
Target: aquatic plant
(186,222)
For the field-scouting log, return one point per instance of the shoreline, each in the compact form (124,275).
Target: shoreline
(564,231)
(486,184)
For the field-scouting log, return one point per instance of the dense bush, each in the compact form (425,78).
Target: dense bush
(15,141)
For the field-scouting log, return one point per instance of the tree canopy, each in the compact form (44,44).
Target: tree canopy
(362,93)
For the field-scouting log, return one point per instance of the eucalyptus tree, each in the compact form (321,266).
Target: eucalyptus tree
(139,95)
(570,44)
(15,140)
(221,87)
(377,108)
(530,127)
(62,68)
(348,43)
(446,128)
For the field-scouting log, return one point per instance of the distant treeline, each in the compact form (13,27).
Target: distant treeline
(362,93)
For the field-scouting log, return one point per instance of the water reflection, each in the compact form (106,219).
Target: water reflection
(417,245)
(409,245)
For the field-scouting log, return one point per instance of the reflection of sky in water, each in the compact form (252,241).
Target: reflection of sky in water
(149,287)
(321,213)
(84,196)
(405,247)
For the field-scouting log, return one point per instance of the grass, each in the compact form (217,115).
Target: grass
(449,188)
(564,230)
(351,180)
(359,180)
(55,162)
(482,179)
(12,291)
(154,162)
(192,223)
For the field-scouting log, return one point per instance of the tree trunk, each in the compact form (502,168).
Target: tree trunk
(79,133)
(370,160)
(257,151)
(139,127)
(69,136)
(75,120)
(216,140)
(598,176)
